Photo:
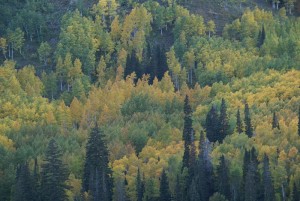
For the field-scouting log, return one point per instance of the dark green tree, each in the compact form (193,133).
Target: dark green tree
(211,125)
(178,190)
(261,37)
(54,175)
(269,194)
(24,184)
(97,174)
(248,124)
(299,122)
(139,187)
(222,182)
(275,123)
(296,193)
(223,122)
(252,185)
(204,170)
(239,122)
(188,122)
(188,134)
(193,191)
(164,191)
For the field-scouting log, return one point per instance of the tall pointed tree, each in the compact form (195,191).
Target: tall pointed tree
(299,122)
(248,124)
(24,184)
(54,175)
(269,194)
(211,125)
(239,122)
(275,123)
(139,187)
(164,190)
(223,122)
(97,174)
(223,184)
(296,193)
(187,132)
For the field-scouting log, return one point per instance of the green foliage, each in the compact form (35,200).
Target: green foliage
(54,174)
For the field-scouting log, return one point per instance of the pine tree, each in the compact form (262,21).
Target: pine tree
(24,184)
(164,188)
(223,122)
(275,123)
(187,132)
(178,192)
(299,122)
(223,185)
(187,127)
(267,181)
(261,37)
(252,187)
(97,174)
(193,191)
(211,125)
(239,122)
(54,175)
(204,170)
(139,187)
(36,181)
(296,193)
(248,125)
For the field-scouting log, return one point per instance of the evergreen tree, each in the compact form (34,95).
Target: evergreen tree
(164,190)
(296,193)
(223,122)
(248,125)
(223,184)
(211,125)
(275,123)
(239,122)
(178,191)
(193,191)
(24,184)
(204,170)
(139,186)
(299,122)
(187,132)
(252,186)
(261,37)
(36,180)
(54,175)
(97,174)
(267,181)
(187,127)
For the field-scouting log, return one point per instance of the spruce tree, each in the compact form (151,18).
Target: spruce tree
(261,37)
(187,132)
(248,124)
(24,184)
(211,125)
(164,191)
(299,122)
(97,174)
(296,193)
(139,187)
(223,185)
(204,170)
(223,122)
(193,191)
(188,122)
(239,122)
(267,181)
(178,192)
(252,185)
(275,123)
(54,175)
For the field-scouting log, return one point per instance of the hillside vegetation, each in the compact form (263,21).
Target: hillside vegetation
(149,100)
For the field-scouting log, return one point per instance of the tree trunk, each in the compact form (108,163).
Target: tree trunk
(283,193)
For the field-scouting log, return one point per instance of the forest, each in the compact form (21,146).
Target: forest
(170,100)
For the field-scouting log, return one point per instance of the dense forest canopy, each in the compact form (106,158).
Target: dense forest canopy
(121,100)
